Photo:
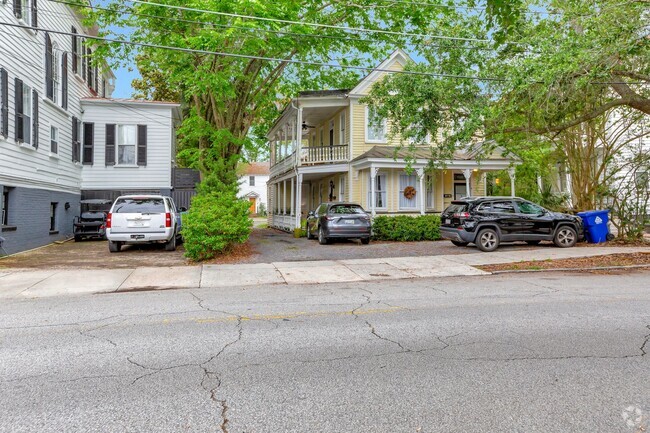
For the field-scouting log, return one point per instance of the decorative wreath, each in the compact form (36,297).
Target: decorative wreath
(409,192)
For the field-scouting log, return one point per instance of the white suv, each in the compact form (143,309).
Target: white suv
(136,219)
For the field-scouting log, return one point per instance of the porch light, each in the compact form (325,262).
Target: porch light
(476,170)
(497,181)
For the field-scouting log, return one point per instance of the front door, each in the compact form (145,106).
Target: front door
(460,191)
(252,201)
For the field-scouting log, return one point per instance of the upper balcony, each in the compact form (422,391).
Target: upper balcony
(312,130)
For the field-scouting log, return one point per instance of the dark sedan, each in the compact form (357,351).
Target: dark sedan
(339,220)
(488,221)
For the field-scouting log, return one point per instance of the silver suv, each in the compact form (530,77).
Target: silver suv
(136,219)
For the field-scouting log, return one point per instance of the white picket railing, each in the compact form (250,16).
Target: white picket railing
(324,154)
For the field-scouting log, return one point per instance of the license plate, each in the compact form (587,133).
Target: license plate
(137,236)
(447,221)
(349,221)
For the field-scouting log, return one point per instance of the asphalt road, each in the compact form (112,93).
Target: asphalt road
(525,353)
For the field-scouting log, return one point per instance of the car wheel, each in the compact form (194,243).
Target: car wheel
(309,235)
(171,244)
(460,244)
(365,241)
(533,242)
(114,247)
(487,240)
(321,236)
(77,238)
(565,237)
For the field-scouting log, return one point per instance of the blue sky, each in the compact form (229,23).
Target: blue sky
(123,80)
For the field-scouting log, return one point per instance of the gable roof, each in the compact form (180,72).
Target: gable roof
(398,56)
(256,169)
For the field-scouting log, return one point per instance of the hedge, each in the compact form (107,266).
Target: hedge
(405,228)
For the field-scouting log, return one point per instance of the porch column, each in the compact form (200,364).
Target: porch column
(468,175)
(569,190)
(373,178)
(299,200)
(293,193)
(284,197)
(511,173)
(420,173)
(298,136)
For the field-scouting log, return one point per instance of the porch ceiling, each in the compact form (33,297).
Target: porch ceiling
(314,116)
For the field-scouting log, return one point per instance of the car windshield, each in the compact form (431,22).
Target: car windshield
(346,209)
(139,205)
(455,208)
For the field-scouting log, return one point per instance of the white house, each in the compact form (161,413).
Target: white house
(252,185)
(61,136)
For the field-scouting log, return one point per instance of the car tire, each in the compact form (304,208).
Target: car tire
(565,237)
(365,241)
(171,244)
(533,242)
(460,244)
(77,238)
(114,247)
(310,236)
(321,236)
(487,240)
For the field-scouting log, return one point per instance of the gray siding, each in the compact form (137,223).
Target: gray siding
(29,218)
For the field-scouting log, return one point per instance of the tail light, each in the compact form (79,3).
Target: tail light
(109,219)
(461,215)
(168,220)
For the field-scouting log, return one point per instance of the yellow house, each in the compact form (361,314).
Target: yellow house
(327,146)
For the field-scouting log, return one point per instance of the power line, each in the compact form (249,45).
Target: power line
(252,57)
(251,29)
(309,24)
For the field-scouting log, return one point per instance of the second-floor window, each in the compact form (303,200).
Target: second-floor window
(375,126)
(251,180)
(126,144)
(25,10)
(23,112)
(4,103)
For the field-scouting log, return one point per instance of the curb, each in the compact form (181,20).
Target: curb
(595,268)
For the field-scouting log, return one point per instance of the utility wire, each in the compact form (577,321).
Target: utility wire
(309,24)
(252,57)
(252,29)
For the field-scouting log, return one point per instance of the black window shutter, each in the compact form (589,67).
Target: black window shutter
(18,9)
(64,81)
(96,84)
(35,119)
(34,14)
(4,103)
(75,140)
(19,110)
(89,143)
(83,59)
(75,50)
(110,144)
(142,145)
(49,68)
(89,64)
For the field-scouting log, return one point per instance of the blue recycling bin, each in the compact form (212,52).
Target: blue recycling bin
(595,222)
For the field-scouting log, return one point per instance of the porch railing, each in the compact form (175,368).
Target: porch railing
(283,222)
(324,154)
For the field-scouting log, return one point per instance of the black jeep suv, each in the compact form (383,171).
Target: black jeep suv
(488,221)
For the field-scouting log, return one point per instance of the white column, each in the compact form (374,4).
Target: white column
(284,197)
(373,178)
(511,173)
(292,205)
(422,192)
(468,175)
(299,136)
(569,189)
(540,184)
(298,200)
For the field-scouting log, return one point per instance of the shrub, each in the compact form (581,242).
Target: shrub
(216,221)
(261,210)
(405,228)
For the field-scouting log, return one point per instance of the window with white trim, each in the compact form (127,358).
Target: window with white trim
(375,126)
(56,72)
(26,114)
(126,144)
(342,188)
(380,191)
(251,180)
(430,192)
(54,140)
(25,13)
(408,181)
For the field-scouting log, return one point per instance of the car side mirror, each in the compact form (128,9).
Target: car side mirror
(311,213)
(182,209)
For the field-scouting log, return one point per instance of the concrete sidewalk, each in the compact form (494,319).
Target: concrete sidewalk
(44,283)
